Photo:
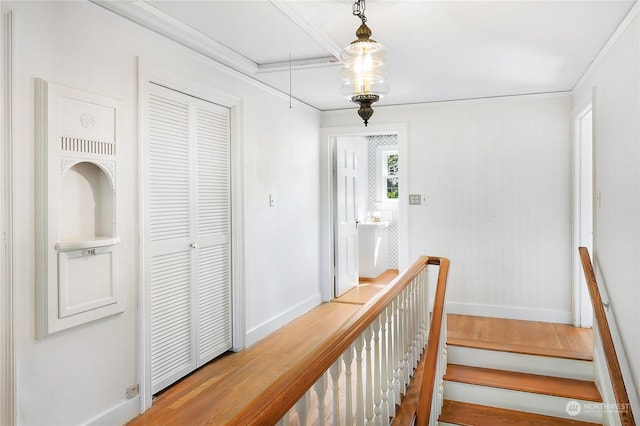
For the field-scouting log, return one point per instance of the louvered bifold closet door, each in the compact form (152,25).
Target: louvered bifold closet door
(214,242)
(187,241)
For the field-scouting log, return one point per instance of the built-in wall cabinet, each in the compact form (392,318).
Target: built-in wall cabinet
(187,245)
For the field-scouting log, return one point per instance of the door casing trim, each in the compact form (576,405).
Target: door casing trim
(7,347)
(150,73)
(328,136)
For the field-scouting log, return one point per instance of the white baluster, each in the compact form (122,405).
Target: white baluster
(404,336)
(391,338)
(347,356)
(359,382)
(397,350)
(426,308)
(321,390)
(412,330)
(418,319)
(368,405)
(384,368)
(421,309)
(302,408)
(335,371)
(377,372)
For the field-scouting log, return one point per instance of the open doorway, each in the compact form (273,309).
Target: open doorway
(367,187)
(365,235)
(583,212)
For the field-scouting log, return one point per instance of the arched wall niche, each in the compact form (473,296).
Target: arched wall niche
(87,203)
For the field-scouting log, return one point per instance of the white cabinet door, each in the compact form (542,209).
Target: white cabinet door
(186,238)
(346,216)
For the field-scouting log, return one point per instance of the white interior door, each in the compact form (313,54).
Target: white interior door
(187,233)
(346,240)
(213,200)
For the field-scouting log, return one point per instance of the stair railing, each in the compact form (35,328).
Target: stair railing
(432,390)
(613,365)
(360,372)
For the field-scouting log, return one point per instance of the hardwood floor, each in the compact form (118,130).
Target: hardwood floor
(368,288)
(478,415)
(216,392)
(527,337)
(532,383)
(213,394)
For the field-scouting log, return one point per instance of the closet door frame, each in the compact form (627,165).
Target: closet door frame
(149,73)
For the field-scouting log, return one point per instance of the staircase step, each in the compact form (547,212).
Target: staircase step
(520,348)
(526,363)
(460,413)
(524,382)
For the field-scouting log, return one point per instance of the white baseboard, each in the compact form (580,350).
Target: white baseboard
(285,317)
(119,414)
(511,312)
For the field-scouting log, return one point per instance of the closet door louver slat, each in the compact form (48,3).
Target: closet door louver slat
(214,290)
(187,211)
(170,230)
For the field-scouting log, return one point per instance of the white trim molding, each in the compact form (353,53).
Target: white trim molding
(7,351)
(633,13)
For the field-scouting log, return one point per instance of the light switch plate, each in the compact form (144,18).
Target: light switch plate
(415,199)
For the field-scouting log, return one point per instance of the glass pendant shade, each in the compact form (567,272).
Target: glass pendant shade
(364,71)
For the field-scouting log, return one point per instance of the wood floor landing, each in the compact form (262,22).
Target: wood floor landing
(525,337)
(213,394)
(461,413)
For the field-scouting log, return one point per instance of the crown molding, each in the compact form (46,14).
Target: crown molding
(313,32)
(633,13)
(155,20)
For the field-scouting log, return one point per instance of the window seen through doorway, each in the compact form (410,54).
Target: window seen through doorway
(387,173)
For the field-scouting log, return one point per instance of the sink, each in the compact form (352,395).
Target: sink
(374,224)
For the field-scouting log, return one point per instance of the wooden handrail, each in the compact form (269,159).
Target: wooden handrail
(274,402)
(615,373)
(432,354)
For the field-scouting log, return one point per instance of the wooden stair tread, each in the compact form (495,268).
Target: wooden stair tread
(465,414)
(519,348)
(524,382)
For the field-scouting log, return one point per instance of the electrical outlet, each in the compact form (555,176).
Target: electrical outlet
(415,199)
(132,391)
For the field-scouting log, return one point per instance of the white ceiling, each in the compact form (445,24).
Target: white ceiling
(438,50)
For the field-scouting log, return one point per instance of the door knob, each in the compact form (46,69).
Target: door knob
(194,245)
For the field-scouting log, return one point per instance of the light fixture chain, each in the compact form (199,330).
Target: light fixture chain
(358,10)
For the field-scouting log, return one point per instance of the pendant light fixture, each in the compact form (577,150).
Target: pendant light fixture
(364,68)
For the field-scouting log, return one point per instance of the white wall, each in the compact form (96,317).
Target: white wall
(497,176)
(79,375)
(616,112)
